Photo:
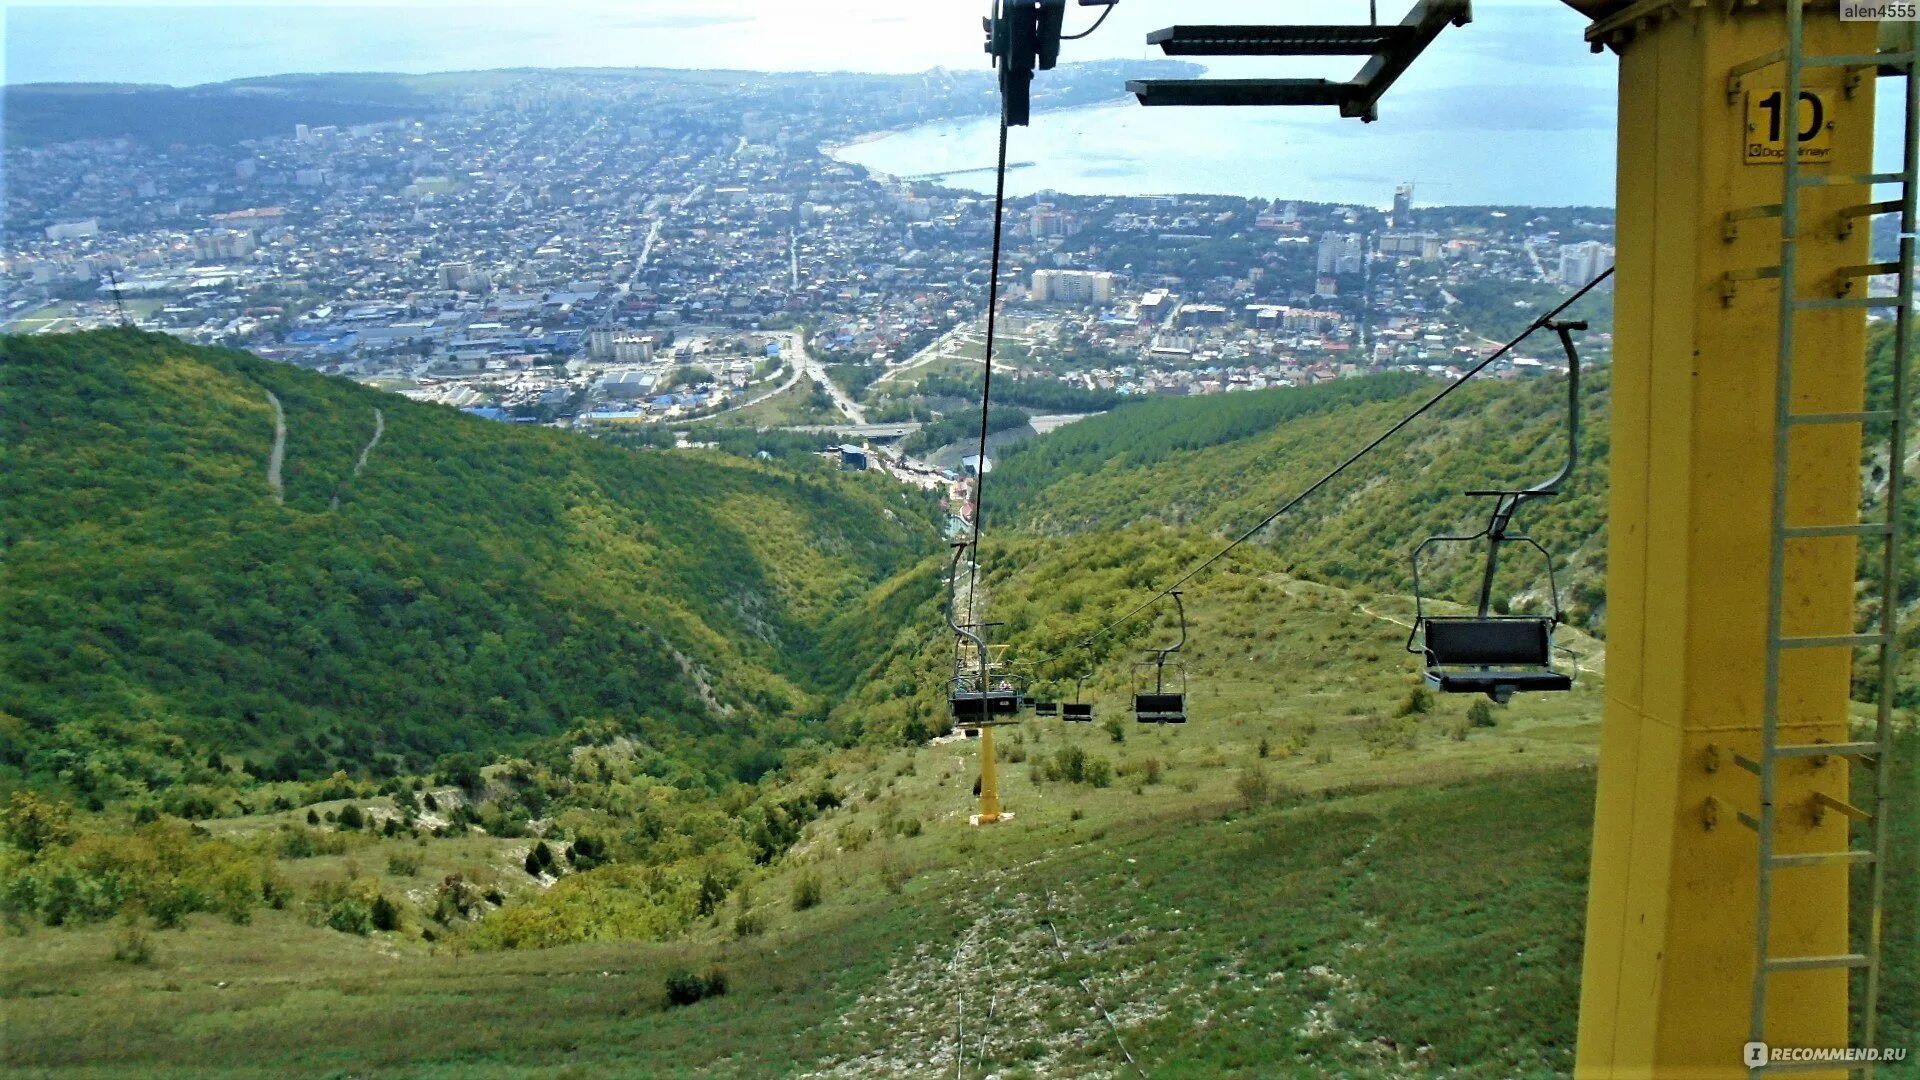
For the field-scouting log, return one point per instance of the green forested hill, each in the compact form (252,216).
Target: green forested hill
(472,588)
(1223,463)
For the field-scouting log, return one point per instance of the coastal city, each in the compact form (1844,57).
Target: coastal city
(666,257)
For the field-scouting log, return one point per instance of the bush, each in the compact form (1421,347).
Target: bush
(1480,714)
(748,924)
(1255,787)
(351,817)
(587,851)
(404,863)
(1418,702)
(385,915)
(1266,748)
(1116,730)
(133,946)
(1383,736)
(686,988)
(806,891)
(1457,729)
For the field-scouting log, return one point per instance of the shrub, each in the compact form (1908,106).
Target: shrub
(351,817)
(345,905)
(1418,702)
(404,863)
(1116,730)
(384,914)
(1255,787)
(1480,714)
(1323,756)
(894,876)
(1383,736)
(1457,729)
(748,924)
(1265,748)
(1099,772)
(686,988)
(807,891)
(313,816)
(133,946)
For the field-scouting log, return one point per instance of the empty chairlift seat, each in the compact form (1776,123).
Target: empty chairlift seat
(1160,708)
(1046,708)
(1078,711)
(1495,656)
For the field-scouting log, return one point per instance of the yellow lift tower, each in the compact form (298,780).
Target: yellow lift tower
(985,691)
(1718,908)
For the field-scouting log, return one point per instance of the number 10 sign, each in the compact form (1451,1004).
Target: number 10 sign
(1769,125)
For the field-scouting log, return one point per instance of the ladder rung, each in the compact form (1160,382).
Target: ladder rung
(1848,302)
(1799,419)
(1870,528)
(1834,641)
(1821,798)
(1868,269)
(1836,749)
(1884,59)
(1822,858)
(1887,206)
(1851,179)
(1748,67)
(1817,963)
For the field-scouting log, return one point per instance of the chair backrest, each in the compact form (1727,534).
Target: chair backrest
(1159,703)
(971,707)
(1489,642)
(1076,710)
(1045,708)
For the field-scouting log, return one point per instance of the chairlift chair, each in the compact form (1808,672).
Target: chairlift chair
(982,691)
(1501,655)
(1160,694)
(1077,711)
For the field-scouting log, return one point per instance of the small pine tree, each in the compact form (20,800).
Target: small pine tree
(386,916)
(1266,748)
(543,855)
(313,816)
(351,817)
(532,864)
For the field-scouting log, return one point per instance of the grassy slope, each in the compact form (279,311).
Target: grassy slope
(487,583)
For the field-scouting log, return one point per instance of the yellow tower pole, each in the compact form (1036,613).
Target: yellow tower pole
(989,779)
(1671,915)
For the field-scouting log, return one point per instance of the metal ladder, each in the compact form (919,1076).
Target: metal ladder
(1868,753)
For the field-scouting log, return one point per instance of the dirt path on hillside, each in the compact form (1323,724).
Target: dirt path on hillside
(278,454)
(379,429)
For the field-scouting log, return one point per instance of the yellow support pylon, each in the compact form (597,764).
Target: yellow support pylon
(1672,904)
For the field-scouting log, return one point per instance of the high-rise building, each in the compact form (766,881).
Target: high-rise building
(1341,253)
(1072,286)
(1403,205)
(1582,262)
(452,274)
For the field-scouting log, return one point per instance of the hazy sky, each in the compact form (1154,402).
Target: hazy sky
(1513,43)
